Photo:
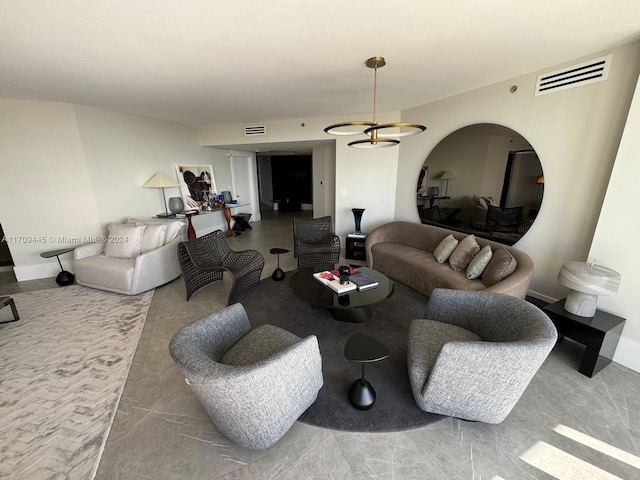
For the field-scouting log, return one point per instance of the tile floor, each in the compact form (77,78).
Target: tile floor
(565,426)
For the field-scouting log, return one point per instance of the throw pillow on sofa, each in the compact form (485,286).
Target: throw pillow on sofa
(464,252)
(124,241)
(500,267)
(153,237)
(479,263)
(445,248)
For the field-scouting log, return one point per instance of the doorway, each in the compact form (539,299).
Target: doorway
(6,261)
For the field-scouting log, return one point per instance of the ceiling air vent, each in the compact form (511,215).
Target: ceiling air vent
(255,130)
(596,70)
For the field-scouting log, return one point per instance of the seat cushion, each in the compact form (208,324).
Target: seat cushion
(259,344)
(102,271)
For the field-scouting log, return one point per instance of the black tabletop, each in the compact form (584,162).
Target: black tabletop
(601,321)
(308,289)
(55,253)
(364,349)
(278,251)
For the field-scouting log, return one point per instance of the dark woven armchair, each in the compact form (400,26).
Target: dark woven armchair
(508,220)
(205,259)
(314,243)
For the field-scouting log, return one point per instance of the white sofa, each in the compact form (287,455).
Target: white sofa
(130,276)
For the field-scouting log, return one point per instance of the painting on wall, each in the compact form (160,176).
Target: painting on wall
(196,184)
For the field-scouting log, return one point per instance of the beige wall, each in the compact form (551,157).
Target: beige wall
(369,176)
(618,227)
(46,190)
(68,171)
(575,133)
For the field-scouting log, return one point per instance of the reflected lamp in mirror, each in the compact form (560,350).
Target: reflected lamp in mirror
(448,175)
(587,281)
(160,180)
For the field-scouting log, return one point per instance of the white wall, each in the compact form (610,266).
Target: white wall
(123,152)
(45,187)
(367,175)
(575,133)
(82,168)
(614,239)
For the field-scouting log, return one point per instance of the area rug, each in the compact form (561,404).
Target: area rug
(395,409)
(63,368)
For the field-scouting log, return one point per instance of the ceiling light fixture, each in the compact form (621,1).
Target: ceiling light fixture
(383,135)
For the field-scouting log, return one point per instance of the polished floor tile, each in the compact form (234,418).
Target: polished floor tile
(564,425)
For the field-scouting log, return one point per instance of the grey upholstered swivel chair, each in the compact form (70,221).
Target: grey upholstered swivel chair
(314,243)
(206,258)
(254,384)
(475,353)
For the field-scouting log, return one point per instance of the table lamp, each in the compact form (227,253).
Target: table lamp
(448,175)
(160,180)
(586,281)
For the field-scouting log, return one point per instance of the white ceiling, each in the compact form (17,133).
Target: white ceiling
(242,61)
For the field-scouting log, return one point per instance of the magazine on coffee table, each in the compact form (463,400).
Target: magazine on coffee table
(333,282)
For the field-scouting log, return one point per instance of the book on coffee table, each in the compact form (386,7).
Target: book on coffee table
(362,281)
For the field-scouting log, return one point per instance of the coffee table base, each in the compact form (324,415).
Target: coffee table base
(353,315)
(361,394)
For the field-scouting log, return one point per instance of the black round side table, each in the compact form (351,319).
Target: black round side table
(278,273)
(363,349)
(64,278)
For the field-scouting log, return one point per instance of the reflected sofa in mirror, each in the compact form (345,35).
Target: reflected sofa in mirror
(484,179)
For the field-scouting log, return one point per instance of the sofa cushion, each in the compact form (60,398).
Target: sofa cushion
(500,267)
(124,240)
(464,253)
(99,270)
(153,237)
(479,262)
(419,269)
(445,248)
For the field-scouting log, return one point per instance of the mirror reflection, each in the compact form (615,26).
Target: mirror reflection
(483,179)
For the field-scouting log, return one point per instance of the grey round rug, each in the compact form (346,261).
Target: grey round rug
(395,410)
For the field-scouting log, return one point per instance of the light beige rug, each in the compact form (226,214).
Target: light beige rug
(63,367)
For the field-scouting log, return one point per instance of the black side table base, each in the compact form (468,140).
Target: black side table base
(278,274)
(8,301)
(65,278)
(353,315)
(361,394)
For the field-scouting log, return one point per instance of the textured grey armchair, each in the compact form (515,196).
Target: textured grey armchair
(254,384)
(314,243)
(475,353)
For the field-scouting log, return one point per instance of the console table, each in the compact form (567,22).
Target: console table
(599,334)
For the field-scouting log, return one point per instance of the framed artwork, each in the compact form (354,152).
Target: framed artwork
(196,184)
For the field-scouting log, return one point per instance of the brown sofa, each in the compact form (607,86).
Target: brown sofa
(403,250)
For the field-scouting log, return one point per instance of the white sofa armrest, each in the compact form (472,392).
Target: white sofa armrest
(89,250)
(156,267)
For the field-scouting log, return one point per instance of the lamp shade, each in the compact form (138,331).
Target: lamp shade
(160,180)
(448,175)
(586,282)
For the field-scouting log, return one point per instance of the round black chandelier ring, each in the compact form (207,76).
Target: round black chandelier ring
(378,143)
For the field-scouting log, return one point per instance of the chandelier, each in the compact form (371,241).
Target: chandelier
(380,135)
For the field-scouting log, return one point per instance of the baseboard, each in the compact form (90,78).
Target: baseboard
(627,353)
(8,268)
(306,206)
(41,270)
(540,296)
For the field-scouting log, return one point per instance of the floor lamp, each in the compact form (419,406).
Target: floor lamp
(160,180)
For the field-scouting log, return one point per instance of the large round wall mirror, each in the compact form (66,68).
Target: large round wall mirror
(483,179)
